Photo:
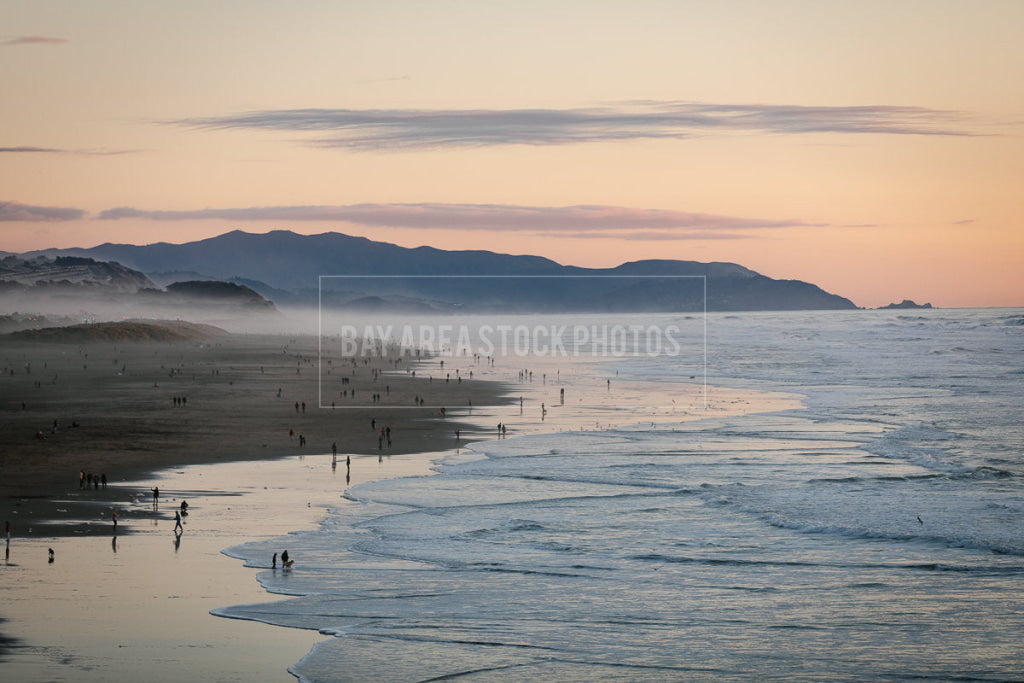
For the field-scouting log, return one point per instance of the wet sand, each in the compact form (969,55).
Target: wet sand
(136,606)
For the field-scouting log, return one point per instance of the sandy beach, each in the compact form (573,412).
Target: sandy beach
(124,410)
(214,422)
(140,415)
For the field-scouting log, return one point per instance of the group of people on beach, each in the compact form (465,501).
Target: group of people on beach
(182,511)
(385,434)
(87,480)
(286,563)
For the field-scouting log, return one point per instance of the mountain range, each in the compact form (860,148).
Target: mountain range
(344,271)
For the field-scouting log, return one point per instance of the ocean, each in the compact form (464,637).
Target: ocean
(783,496)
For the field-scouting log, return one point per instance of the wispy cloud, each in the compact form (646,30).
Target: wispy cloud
(102,152)
(410,129)
(13,211)
(659,235)
(575,221)
(29,150)
(33,40)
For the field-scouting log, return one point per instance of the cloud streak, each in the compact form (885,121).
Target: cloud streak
(15,212)
(30,149)
(573,221)
(33,40)
(414,129)
(25,149)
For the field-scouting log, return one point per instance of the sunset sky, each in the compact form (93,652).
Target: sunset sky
(873,148)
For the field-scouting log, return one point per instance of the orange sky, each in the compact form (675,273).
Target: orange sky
(873,148)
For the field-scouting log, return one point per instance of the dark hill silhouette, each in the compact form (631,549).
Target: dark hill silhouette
(906,303)
(69,272)
(289,268)
(214,290)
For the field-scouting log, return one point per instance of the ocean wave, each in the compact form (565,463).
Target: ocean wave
(524,525)
(915,444)
(718,562)
(925,566)
(1003,547)
(915,511)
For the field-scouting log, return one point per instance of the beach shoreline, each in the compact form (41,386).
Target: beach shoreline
(246,478)
(78,421)
(93,428)
(139,603)
(726,403)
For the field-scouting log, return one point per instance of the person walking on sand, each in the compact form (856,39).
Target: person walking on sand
(113,516)
(177,521)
